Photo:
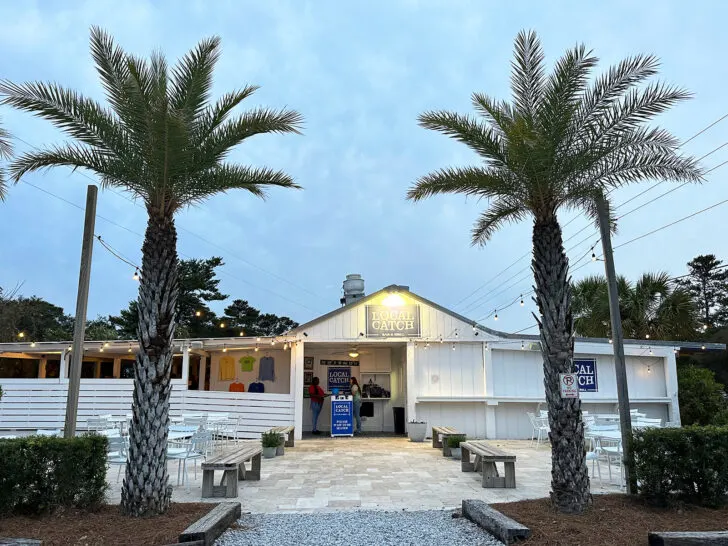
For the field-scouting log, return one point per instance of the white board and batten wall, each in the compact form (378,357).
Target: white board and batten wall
(451,378)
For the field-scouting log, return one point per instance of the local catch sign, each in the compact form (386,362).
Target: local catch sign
(586,371)
(383,321)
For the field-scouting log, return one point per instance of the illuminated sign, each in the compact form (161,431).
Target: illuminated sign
(401,321)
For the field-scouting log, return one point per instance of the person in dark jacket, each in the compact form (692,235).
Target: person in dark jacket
(317,402)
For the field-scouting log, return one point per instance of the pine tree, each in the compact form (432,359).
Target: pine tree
(708,284)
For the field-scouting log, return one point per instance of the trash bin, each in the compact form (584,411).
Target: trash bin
(398,420)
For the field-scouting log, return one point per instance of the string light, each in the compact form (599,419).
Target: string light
(21,334)
(272,341)
(256,348)
(427,345)
(198,313)
(496,314)
(647,336)
(675,351)
(285,346)
(649,369)
(453,346)
(222,325)
(70,347)
(703,347)
(106,344)
(523,347)
(224,348)
(135,276)
(242,333)
(610,341)
(101,350)
(705,327)
(129,349)
(32,344)
(594,256)
(486,346)
(257,339)
(522,304)
(441,339)
(651,350)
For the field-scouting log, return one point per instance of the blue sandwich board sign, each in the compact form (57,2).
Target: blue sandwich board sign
(586,370)
(342,417)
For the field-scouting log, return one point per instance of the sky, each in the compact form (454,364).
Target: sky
(360,73)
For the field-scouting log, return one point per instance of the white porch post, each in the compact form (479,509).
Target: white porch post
(673,407)
(297,387)
(490,405)
(63,374)
(203,373)
(411,383)
(185,365)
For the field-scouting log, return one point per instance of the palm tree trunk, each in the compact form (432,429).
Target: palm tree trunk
(569,475)
(145,491)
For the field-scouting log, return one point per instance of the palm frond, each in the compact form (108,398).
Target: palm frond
(479,138)
(234,131)
(212,117)
(192,78)
(481,182)
(527,74)
(501,211)
(499,114)
(68,155)
(226,177)
(6,147)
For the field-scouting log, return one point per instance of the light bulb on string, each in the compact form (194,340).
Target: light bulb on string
(198,313)
(703,347)
(224,348)
(649,369)
(242,333)
(21,335)
(651,351)
(285,346)
(222,325)
(257,339)
(129,350)
(441,339)
(272,341)
(705,327)
(101,350)
(523,347)
(594,256)
(135,276)
(647,336)
(32,343)
(486,346)
(256,348)
(522,304)
(496,314)
(427,345)
(610,341)
(453,346)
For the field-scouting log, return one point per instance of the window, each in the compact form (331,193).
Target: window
(88,369)
(176,367)
(107,369)
(53,368)
(19,368)
(127,369)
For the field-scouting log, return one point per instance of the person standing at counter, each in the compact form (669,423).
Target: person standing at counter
(356,394)
(317,401)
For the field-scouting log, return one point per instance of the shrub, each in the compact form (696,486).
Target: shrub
(38,474)
(701,397)
(455,440)
(684,464)
(271,439)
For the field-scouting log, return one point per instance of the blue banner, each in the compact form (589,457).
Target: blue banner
(340,378)
(342,417)
(586,370)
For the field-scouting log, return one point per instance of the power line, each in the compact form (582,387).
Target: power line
(186,256)
(249,263)
(573,219)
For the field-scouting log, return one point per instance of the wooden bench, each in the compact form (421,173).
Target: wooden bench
(485,458)
(439,439)
(288,432)
(232,463)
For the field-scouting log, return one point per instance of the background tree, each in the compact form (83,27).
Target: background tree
(708,284)
(162,140)
(702,399)
(241,316)
(36,318)
(100,329)
(653,306)
(198,287)
(562,143)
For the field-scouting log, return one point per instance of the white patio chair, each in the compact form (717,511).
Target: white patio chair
(196,448)
(50,433)
(198,420)
(539,428)
(117,453)
(594,454)
(97,424)
(612,449)
(227,430)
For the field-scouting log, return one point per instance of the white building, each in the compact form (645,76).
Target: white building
(439,366)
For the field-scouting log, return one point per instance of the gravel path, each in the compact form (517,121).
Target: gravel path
(357,528)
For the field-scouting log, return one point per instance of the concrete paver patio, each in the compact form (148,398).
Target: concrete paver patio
(384,473)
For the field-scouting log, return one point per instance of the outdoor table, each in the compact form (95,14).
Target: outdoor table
(607,417)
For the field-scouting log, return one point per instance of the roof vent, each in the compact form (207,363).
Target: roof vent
(353,289)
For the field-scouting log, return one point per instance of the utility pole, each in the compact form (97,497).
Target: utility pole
(79,328)
(625,420)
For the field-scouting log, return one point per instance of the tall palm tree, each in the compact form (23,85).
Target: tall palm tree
(563,143)
(162,140)
(651,308)
(6,150)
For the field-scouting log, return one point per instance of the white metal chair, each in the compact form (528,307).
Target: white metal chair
(197,420)
(612,449)
(97,424)
(196,448)
(539,428)
(117,453)
(50,433)
(594,455)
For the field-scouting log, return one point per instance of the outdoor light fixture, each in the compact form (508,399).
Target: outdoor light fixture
(393,300)
(106,344)
(21,334)
(198,313)
(703,347)
(101,350)
(651,350)
(427,345)
(441,339)
(272,341)
(453,346)
(354,353)
(649,369)
(135,276)
(32,344)
(224,349)
(129,349)
(242,333)
(610,340)
(523,347)
(285,346)
(496,314)
(70,348)
(647,336)
(256,348)
(222,325)
(594,257)
(522,304)
(486,346)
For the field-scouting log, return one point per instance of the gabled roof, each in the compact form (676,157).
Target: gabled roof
(497,333)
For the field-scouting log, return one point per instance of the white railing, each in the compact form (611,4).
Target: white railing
(30,404)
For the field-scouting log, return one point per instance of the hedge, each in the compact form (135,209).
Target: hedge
(687,464)
(38,474)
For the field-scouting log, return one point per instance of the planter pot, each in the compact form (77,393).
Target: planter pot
(417,431)
(456,452)
(269,452)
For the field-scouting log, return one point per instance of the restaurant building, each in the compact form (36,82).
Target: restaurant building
(406,351)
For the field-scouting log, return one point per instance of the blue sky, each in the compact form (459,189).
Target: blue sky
(360,73)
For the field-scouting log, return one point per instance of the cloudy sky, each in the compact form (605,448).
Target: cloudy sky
(360,73)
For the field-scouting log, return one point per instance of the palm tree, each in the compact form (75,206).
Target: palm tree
(162,140)
(6,150)
(562,144)
(651,308)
